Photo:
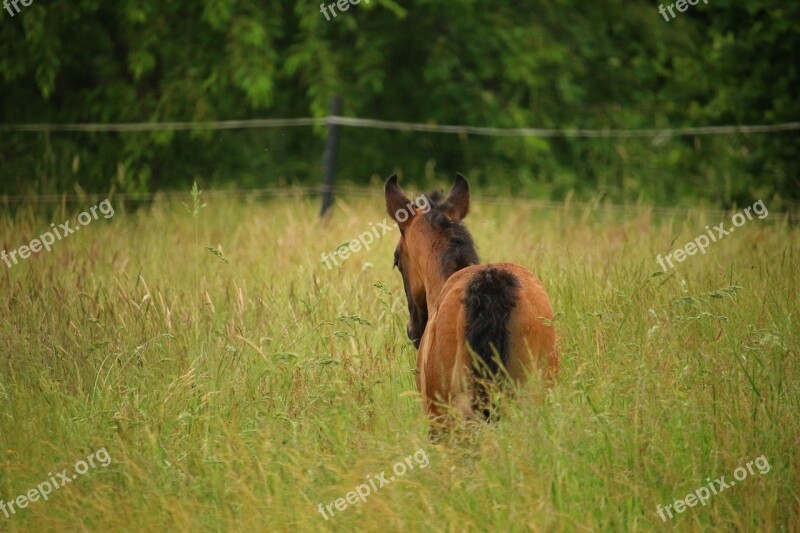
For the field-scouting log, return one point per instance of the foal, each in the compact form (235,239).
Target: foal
(500,311)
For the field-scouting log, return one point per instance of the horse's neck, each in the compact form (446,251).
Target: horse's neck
(434,282)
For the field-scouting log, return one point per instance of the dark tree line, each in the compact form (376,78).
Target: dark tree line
(567,64)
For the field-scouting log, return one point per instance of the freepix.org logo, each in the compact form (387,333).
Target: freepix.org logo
(680,5)
(45,488)
(701,242)
(360,493)
(421,204)
(703,494)
(8,4)
(343,5)
(47,239)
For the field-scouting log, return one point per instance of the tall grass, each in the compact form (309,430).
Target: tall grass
(291,383)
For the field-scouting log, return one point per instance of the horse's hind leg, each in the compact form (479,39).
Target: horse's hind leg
(533,340)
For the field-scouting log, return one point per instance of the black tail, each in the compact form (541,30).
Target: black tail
(490,298)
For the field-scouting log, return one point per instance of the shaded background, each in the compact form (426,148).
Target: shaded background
(563,64)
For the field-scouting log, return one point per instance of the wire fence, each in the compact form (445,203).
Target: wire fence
(335,120)
(346,192)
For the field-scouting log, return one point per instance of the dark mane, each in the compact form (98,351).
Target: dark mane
(460,250)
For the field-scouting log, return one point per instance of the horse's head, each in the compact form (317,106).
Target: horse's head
(433,245)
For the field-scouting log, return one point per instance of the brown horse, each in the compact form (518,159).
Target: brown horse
(472,323)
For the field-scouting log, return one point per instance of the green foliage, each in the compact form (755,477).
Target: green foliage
(568,64)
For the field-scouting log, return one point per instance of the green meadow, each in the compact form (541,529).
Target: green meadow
(236,382)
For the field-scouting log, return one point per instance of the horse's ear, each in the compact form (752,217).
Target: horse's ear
(396,202)
(457,203)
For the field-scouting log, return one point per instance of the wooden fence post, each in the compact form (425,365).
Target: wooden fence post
(329,157)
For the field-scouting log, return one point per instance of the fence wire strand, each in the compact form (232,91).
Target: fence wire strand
(399,126)
(343,193)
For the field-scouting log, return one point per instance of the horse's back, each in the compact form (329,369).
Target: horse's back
(444,358)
